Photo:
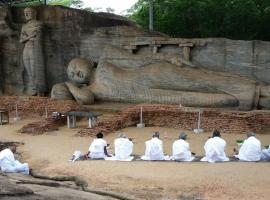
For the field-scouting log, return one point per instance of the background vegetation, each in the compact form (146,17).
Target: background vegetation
(68,3)
(235,19)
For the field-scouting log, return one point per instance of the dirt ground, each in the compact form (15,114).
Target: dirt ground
(49,154)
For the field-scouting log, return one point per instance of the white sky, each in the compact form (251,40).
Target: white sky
(120,6)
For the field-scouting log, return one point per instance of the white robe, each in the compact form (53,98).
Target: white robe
(181,151)
(10,165)
(153,150)
(266,154)
(215,150)
(250,150)
(97,149)
(77,155)
(123,149)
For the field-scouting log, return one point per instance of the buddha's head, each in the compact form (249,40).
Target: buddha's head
(30,13)
(79,70)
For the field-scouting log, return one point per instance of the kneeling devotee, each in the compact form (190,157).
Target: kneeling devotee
(123,148)
(98,148)
(250,149)
(9,164)
(154,149)
(181,151)
(215,149)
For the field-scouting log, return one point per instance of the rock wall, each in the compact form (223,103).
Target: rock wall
(68,33)
(246,58)
(71,33)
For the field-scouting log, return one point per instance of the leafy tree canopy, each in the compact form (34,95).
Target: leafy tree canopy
(235,19)
(67,3)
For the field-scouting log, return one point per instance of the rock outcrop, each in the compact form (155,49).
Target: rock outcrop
(67,33)
(21,187)
(70,33)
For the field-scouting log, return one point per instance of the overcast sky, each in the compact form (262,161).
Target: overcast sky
(120,6)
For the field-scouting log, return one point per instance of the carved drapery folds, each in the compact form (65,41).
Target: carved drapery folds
(33,56)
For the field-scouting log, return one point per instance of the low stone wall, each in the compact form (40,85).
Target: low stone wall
(42,126)
(35,106)
(153,115)
(184,118)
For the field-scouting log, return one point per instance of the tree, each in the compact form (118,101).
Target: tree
(110,10)
(236,19)
(67,3)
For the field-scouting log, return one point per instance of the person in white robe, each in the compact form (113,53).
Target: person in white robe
(266,154)
(215,149)
(98,148)
(123,148)
(9,164)
(154,149)
(250,149)
(180,149)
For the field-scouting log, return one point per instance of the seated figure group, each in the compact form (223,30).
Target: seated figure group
(214,149)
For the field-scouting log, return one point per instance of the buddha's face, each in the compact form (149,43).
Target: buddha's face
(79,70)
(29,14)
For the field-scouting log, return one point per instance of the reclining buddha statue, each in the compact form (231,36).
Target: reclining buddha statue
(124,77)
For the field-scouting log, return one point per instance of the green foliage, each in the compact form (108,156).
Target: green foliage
(18,4)
(67,3)
(236,19)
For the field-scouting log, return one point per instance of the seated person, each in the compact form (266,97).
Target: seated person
(250,149)
(154,149)
(181,149)
(98,148)
(123,148)
(9,164)
(215,149)
(266,154)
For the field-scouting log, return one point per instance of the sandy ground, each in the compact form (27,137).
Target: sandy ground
(49,154)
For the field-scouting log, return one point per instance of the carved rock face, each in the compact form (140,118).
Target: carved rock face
(5,30)
(79,70)
(3,12)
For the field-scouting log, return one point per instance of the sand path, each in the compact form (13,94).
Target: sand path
(49,154)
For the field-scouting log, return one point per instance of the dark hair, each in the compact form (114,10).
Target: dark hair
(183,136)
(250,134)
(100,135)
(156,134)
(216,133)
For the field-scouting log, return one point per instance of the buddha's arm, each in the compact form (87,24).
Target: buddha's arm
(24,37)
(264,100)
(82,95)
